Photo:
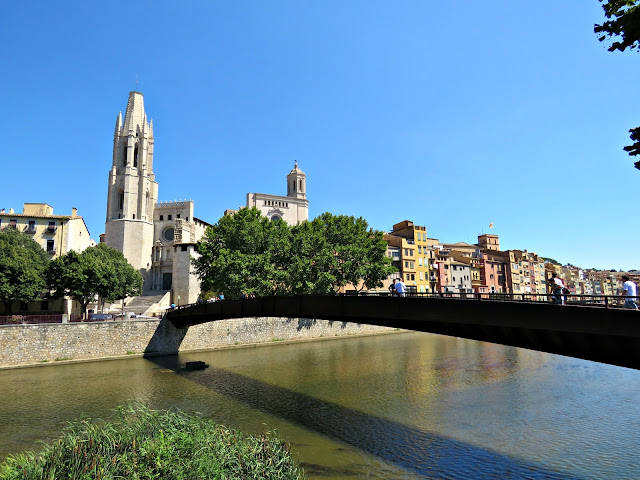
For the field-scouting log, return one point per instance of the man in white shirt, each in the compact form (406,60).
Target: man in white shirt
(401,288)
(629,290)
(556,288)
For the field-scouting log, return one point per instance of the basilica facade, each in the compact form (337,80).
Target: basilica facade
(159,238)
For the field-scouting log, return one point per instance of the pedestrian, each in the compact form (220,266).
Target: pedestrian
(556,288)
(629,290)
(392,287)
(401,288)
(221,296)
(565,292)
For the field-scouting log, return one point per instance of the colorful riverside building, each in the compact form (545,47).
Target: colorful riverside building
(57,235)
(408,248)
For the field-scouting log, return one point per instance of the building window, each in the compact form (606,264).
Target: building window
(50,246)
(183,248)
(124,154)
(169,217)
(178,216)
(135,156)
(168,234)
(161,218)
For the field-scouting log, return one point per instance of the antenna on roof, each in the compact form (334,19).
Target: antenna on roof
(137,82)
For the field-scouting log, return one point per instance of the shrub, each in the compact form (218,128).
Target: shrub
(146,444)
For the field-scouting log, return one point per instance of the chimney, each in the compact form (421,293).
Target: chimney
(74,212)
(2,211)
(11,210)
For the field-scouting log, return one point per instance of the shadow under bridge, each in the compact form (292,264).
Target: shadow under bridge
(599,334)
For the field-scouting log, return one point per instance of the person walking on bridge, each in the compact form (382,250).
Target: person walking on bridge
(629,290)
(556,288)
(401,288)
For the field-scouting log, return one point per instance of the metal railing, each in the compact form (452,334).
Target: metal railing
(595,301)
(590,300)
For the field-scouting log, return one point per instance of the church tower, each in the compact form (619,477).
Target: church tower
(297,183)
(133,191)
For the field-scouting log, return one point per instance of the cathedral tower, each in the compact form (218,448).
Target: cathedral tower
(297,183)
(133,191)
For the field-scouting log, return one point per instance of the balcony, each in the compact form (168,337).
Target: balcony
(30,230)
(51,229)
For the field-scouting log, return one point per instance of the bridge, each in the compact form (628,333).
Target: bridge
(607,335)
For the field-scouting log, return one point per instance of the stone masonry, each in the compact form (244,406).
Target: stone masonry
(51,343)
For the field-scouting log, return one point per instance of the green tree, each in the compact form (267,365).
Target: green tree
(244,253)
(360,251)
(97,271)
(312,264)
(22,268)
(623,27)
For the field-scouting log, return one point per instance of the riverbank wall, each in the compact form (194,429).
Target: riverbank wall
(44,344)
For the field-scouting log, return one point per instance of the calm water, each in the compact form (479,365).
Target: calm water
(397,406)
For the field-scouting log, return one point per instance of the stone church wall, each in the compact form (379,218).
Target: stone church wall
(53,343)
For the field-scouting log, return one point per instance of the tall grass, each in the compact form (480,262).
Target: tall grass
(148,444)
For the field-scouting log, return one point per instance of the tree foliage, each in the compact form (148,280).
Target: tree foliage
(623,27)
(243,253)
(97,271)
(247,253)
(22,268)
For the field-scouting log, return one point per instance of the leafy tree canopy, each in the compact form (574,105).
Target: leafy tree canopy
(247,253)
(99,270)
(22,268)
(243,253)
(623,27)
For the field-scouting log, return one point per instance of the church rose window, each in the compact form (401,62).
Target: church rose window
(168,234)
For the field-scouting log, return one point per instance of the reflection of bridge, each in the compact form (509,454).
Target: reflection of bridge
(593,333)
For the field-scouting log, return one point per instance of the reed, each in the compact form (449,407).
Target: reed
(143,444)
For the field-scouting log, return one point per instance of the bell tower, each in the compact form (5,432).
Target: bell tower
(297,183)
(133,191)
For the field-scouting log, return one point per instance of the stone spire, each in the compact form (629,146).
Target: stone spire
(135,117)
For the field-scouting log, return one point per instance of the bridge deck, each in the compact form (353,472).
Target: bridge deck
(599,334)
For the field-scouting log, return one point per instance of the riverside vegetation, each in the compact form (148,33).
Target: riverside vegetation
(147,444)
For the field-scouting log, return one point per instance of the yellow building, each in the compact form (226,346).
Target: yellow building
(56,234)
(412,242)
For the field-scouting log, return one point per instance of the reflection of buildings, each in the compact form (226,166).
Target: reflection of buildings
(159,238)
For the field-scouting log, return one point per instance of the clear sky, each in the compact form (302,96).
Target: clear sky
(451,114)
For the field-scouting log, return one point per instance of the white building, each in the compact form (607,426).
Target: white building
(294,208)
(159,238)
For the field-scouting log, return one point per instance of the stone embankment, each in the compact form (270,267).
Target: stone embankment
(44,344)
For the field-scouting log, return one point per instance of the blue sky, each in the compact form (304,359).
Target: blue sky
(453,115)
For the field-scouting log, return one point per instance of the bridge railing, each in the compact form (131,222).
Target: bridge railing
(588,300)
(591,300)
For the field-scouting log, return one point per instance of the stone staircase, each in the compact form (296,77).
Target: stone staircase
(143,305)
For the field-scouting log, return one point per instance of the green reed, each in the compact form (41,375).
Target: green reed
(143,444)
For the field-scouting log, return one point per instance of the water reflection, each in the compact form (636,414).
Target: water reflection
(422,452)
(386,407)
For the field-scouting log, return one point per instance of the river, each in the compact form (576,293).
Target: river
(400,406)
